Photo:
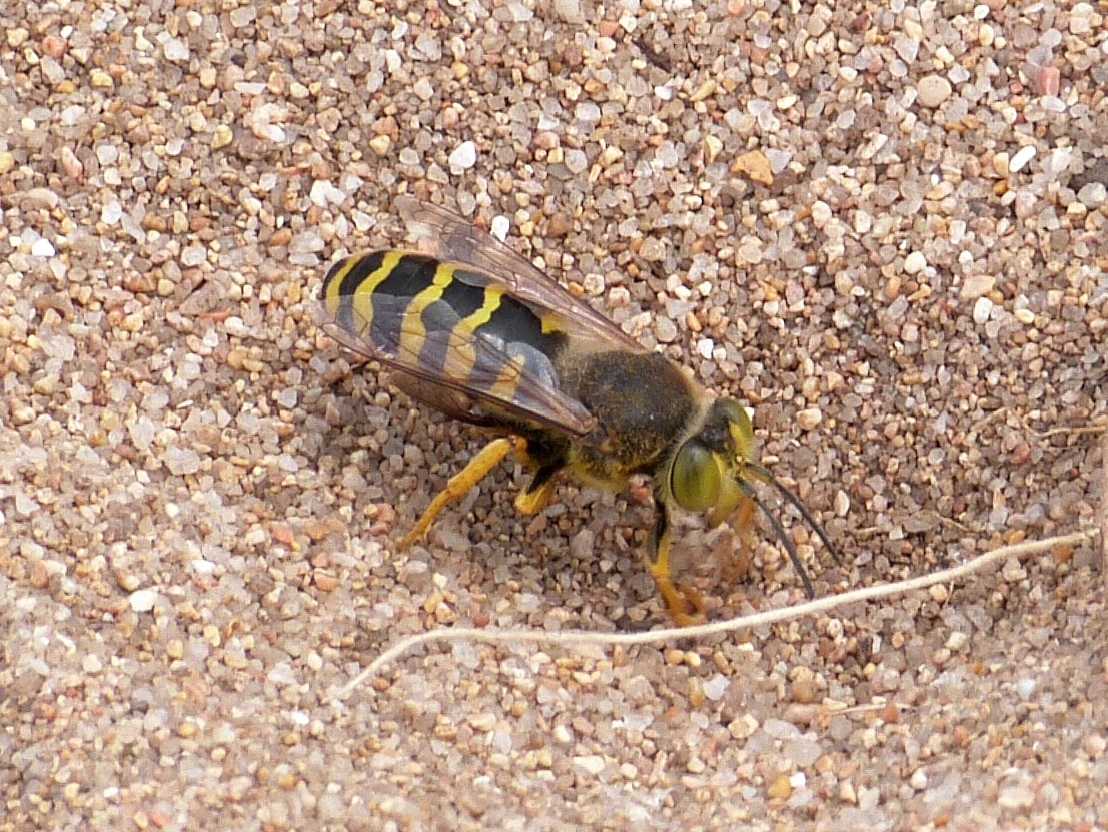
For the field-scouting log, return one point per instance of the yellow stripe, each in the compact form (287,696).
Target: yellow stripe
(412,331)
(551,323)
(507,380)
(461,336)
(471,322)
(333,296)
(362,299)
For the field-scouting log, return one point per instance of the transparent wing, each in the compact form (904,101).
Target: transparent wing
(448,236)
(472,377)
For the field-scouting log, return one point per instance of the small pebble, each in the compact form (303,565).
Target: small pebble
(222,136)
(915,262)
(934,90)
(380,144)
(590,764)
(780,788)
(756,166)
(956,640)
(1018,797)
(1093,194)
(499,227)
(821,213)
(977,285)
(1022,156)
(42,248)
(665,330)
(809,418)
(175,50)
(463,157)
(143,600)
(982,309)
(91,663)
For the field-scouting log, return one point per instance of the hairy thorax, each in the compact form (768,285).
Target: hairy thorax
(643,405)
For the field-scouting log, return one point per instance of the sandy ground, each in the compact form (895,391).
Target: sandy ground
(883,227)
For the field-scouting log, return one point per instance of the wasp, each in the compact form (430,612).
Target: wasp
(473,329)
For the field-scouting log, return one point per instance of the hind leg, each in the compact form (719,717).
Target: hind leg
(459,485)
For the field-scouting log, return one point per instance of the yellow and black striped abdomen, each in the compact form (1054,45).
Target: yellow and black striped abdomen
(446,321)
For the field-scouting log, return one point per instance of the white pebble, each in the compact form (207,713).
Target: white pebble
(242,16)
(1024,155)
(842,503)
(111,213)
(91,664)
(915,262)
(193,255)
(821,213)
(982,310)
(463,157)
(590,764)
(1093,194)
(499,227)
(576,161)
(42,248)
(705,346)
(715,687)
(107,154)
(919,780)
(809,418)
(323,192)
(176,50)
(956,641)
(863,222)
(362,220)
(182,461)
(569,11)
(1017,797)
(934,90)
(143,600)
(587,111)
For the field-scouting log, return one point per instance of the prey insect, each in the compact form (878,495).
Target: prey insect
(473,329)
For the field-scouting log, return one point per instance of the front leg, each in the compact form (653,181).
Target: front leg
(534,498)
(684,604)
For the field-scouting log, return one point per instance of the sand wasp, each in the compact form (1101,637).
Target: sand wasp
(472,328)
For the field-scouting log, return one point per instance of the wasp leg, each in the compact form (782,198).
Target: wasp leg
(684,604)
(459,485)
(534,498)
(743,523)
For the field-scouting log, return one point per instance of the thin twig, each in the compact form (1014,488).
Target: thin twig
(1104,509)
(870,707)
(761,619)
(1099,427)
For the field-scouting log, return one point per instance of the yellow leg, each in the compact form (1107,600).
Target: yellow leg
(532,502)
(459,485)
(685,605)
(743,523)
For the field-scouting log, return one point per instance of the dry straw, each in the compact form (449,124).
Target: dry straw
(570,638)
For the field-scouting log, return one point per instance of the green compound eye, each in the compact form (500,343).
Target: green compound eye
(696,477)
